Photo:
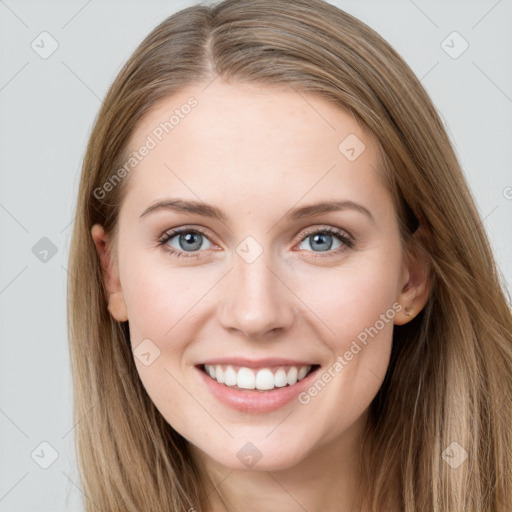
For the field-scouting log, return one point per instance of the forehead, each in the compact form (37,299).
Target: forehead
(206,140)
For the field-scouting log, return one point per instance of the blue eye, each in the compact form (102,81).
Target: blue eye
(187,239)
(322,239)
(190,241)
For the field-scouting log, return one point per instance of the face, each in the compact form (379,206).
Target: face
(269,286)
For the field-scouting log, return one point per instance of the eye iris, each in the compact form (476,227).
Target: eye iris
(321,237)
(189,237)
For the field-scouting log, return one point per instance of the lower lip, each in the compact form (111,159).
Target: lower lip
(253,400)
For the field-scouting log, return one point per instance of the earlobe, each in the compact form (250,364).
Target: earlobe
(406,314)
(117,307)
(115,297)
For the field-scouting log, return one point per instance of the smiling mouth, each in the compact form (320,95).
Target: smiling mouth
(261,379)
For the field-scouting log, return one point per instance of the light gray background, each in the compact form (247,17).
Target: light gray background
(47,108)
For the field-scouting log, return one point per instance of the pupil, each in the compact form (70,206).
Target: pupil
(321,237)
(189,238)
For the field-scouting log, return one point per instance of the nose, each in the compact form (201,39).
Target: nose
(256,300)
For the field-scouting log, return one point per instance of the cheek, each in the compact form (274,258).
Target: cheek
(350,299)
(357,321)
(161,309)
(160,303)
(355,306)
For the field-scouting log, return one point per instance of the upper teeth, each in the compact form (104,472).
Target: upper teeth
(252,378)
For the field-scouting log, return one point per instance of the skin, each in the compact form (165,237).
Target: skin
(273,150)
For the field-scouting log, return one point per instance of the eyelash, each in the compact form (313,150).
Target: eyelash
(341,235)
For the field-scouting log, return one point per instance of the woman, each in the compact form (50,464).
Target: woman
(220,362)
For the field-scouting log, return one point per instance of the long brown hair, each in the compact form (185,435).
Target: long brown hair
(450,376)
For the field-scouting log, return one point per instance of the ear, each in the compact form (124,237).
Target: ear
(415,278)
(110,272)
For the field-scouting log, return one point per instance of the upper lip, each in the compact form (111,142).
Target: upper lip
(256,363)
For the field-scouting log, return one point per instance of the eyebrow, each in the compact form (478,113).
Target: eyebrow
(208,210)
